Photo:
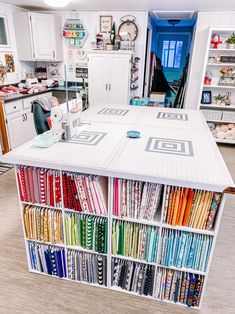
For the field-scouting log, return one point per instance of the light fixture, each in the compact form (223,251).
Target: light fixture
(173,22)
(56,3)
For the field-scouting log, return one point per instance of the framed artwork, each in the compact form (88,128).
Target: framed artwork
(4,34)
(106,22)
(206,97)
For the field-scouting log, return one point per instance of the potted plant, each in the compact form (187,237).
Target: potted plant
(219,99)
(231,41)
(110,45)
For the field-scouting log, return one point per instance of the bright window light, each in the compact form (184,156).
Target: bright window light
(57,3)
(172,53)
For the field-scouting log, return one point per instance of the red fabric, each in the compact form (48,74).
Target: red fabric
(49,122)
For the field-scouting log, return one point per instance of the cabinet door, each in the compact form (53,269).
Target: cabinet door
(28,126)
(15,130)
(43,35)
(97,81)
(119,80)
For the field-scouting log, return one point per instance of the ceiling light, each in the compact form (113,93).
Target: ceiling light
(56,3)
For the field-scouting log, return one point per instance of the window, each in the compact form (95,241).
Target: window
(3,32)
(172,53)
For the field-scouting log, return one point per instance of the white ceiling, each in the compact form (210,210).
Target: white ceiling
(132,5)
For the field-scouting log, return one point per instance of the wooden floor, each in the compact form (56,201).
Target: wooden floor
(22,292)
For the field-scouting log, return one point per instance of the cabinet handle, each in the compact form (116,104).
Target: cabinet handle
(23,117)
(106,86)
(53,54)
(26,117)
(14,107)
(109,86)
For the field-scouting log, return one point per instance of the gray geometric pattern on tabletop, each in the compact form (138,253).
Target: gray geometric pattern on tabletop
(113,111)
(172,116)
(88,138)
(169,146)
(5,167)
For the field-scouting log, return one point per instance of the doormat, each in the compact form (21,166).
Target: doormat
(5,167)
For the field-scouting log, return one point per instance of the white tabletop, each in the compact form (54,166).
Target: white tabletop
(166,154)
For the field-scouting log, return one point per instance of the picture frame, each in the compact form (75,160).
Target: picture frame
(106,22)
(206,97)
(4,32)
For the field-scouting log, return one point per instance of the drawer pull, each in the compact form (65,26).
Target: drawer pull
(14,107)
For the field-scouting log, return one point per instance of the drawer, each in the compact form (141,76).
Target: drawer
(27,101)
(14,106)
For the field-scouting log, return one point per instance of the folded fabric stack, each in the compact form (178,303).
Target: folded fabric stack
(85,193)
(185,249)
(132,276)
(178,287)
(86,231)
(86,267)
(39,186)
(47,259)
(135,240)
(136,199)
(43,224)
(191,207)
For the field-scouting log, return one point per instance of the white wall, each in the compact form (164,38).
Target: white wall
(91,22)
(205,21)
(7,10)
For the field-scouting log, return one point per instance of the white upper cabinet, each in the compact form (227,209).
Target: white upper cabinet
(38,37)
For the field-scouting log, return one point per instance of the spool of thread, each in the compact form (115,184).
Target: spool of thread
(231,125)
(221,135)
(229,135)
(211,125)
(224,128)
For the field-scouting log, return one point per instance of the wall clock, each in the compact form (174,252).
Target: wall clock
(128,30)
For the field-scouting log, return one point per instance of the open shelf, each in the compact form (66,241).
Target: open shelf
(219,86)
(139,221)
(219,121)
(188,229)
(128,258)
(81,249)
(46,243)
(185,270)
(224,141)
(215,106)
(221,64)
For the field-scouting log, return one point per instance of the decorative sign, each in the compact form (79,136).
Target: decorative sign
(106,23)
(81,70)
(227,59)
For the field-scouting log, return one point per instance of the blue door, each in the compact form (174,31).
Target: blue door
(172,49)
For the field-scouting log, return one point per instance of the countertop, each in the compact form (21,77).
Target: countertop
(176,148)
(22,96)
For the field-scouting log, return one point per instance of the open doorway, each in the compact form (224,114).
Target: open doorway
(169,54)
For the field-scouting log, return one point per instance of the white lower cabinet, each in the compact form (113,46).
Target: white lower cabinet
(19,120)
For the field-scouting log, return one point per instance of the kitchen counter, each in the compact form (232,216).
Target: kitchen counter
(22,96)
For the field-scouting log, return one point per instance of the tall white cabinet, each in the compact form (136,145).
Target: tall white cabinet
(38,36)
(109,77)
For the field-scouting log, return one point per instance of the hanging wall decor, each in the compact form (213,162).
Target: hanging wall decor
(10,64)
(106,23)
(74,33)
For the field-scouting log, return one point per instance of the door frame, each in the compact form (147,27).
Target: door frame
(148,59)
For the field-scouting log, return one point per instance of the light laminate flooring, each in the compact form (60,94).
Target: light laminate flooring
(23,292)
